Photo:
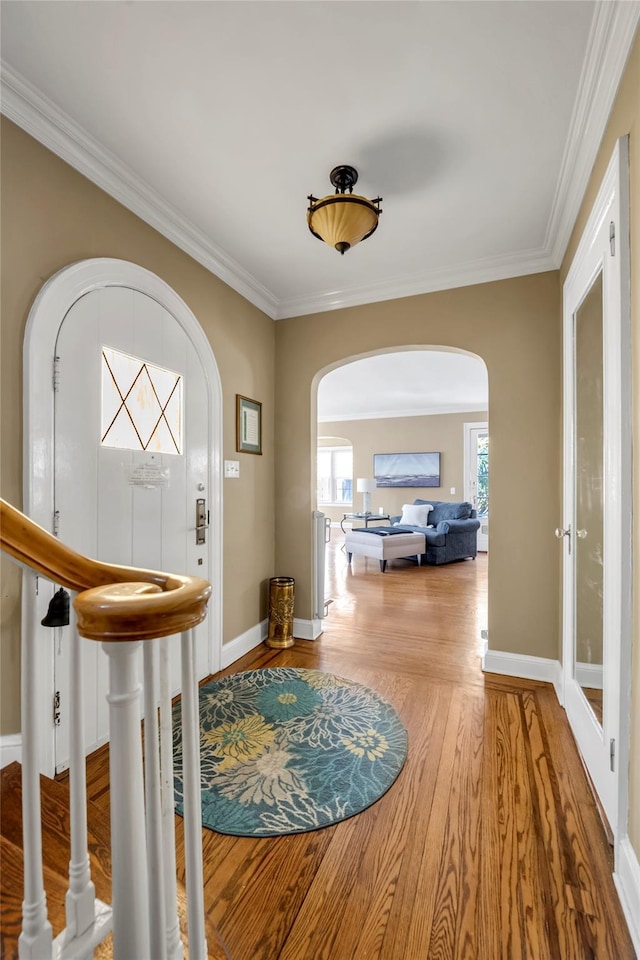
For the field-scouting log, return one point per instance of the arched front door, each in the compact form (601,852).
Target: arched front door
(131,455)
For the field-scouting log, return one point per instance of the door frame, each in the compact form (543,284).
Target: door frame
(54,300)
(611,205)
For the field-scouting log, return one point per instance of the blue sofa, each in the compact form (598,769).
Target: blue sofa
(452,533)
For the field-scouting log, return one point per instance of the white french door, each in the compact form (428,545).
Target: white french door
(476,476)
(597,494)
(131,455)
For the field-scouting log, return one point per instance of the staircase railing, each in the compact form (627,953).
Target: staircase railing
(124,609)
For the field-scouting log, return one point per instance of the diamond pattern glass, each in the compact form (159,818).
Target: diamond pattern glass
(141,404)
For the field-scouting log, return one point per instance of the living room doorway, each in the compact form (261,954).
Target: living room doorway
(407,400)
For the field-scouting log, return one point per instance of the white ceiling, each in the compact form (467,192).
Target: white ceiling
(404,384)
(477,122)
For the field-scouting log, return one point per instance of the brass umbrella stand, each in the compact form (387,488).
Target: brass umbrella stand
(281,601)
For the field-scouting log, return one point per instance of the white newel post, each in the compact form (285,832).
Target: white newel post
(157,917)
(192,799)
(130,900)
(80,900)
(175,948)
(36,938)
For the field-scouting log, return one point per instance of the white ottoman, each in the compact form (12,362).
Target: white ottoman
(384,546)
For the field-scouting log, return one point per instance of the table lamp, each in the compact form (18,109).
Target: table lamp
(365,486)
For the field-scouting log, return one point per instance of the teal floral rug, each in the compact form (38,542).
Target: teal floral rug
(285,750)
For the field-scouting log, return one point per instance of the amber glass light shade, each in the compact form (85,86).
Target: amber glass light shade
(342,220)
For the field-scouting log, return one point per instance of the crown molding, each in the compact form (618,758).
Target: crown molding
(43,120)
(612,33)
(441,278)
(433,411)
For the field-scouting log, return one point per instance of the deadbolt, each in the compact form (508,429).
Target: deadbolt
(201,520)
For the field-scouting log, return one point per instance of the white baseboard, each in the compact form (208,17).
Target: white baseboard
(307,629)
(254,636)
(10,749)
(589,675)
(627,881)
(246,642)
(524,666)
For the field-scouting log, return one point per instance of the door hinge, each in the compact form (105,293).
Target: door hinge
(56,374)
(56,709)
(612,238)
(56,522)
(612,755)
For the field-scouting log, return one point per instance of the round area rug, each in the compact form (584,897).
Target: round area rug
(285,750)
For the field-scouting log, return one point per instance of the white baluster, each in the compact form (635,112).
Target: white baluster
(80,902)
(157,921)
(36,938)
(192,799)
(175,948)
(129,874)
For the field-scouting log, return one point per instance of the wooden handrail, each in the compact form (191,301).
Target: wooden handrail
(115,602)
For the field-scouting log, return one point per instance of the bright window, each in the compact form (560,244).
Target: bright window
(335,475)
(141,404)
(483,475)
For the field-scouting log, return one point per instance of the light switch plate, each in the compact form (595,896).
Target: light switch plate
(232,468)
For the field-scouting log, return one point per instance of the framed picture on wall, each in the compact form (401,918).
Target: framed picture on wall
(406,469)
(248,425)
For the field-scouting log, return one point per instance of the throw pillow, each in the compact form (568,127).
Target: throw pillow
(415,515)
(454,510)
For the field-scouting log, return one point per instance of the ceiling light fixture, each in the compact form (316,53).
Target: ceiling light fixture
(343,219)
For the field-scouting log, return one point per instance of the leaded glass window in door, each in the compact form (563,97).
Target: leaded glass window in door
(141,404)
(482,475)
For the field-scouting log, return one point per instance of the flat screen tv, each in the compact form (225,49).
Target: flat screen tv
(406,469)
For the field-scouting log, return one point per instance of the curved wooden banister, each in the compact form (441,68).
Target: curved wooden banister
(114,602)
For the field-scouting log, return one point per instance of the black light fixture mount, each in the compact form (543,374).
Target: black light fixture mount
(343,219)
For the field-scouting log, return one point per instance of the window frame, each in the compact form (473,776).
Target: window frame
(333,450)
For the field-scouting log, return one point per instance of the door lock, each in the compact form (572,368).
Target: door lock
(201,520)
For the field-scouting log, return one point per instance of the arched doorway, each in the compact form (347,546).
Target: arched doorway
(409,399)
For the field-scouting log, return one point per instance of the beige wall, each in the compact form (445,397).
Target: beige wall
(51,217)
(442,432)
(625,119)
(514,326)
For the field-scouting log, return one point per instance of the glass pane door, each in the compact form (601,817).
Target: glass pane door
(589,498)
(477,477)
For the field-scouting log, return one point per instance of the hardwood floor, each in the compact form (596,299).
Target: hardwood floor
(487,847)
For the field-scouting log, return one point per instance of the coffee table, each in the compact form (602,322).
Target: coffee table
(367,517)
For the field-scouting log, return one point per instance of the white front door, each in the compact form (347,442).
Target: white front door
(597,502)
(131,455)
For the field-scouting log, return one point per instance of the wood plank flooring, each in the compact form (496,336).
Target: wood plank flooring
(487,847)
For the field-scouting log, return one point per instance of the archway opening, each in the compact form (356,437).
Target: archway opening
(410,404)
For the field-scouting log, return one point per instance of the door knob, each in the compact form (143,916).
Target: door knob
(581,533)
(562,532)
